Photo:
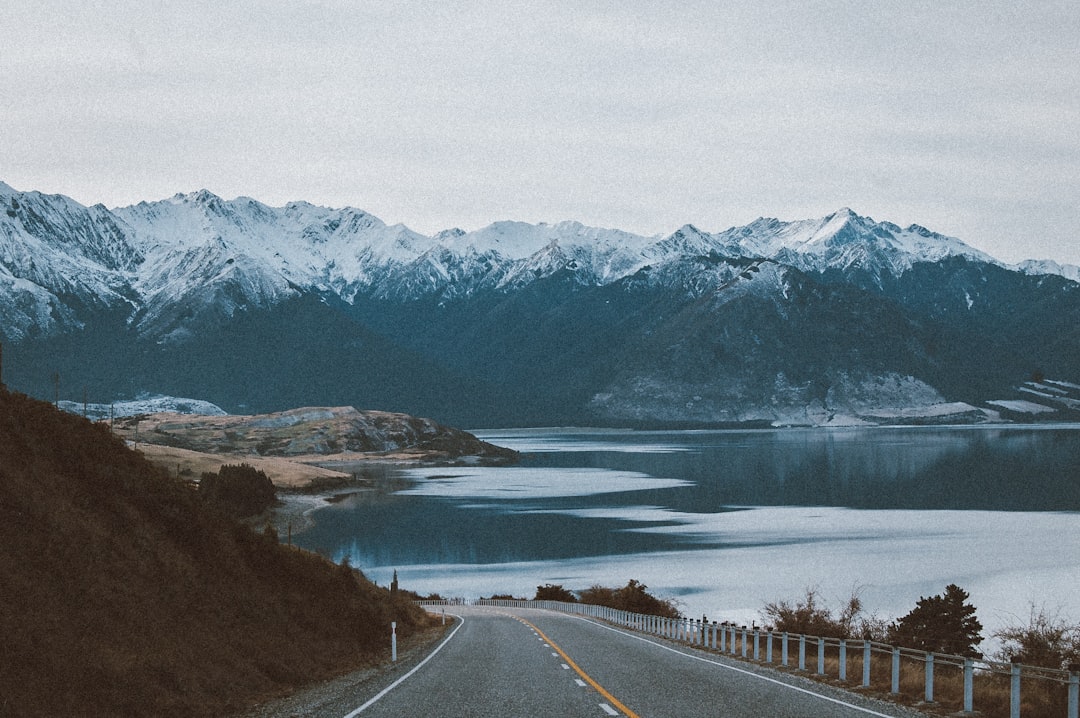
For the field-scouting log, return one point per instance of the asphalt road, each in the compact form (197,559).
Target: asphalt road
(500,662)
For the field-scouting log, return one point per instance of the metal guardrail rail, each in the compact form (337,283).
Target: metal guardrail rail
(791,650)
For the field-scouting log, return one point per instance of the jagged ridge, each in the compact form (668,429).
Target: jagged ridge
(258,308)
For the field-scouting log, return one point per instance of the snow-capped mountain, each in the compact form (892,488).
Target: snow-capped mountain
(196,254)
(1048,266)
(242,303)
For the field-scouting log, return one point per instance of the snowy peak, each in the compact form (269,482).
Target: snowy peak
(687,239)
(847,241)
(840,228)
(1047,266)
(60,260)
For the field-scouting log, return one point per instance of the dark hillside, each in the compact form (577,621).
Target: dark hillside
(120,594)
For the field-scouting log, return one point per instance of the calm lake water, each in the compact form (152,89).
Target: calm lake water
(725,521)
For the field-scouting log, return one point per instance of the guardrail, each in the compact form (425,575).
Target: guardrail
(903,671)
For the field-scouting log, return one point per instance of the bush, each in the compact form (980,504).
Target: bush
(940,624)
(633,597)
(1046,640)
(238,490)
(809,616)
(554,592)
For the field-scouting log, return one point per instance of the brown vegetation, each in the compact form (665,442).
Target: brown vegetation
(943,624)
(634,597)
(286,474)
(122,595)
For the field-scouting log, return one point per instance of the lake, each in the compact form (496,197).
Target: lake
(725,521)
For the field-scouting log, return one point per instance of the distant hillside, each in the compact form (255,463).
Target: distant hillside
(314,431)
(123,596)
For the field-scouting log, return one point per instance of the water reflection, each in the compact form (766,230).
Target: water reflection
(969,468)
(598,493)
(899,512)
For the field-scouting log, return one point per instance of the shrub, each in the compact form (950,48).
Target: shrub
(1047,641)
(554,592)
(633,597)
(811,617)
(940,624)
(238,490)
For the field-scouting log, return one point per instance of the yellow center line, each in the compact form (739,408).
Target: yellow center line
(587,678)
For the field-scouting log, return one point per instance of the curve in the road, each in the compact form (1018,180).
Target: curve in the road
(399,681)
(718,664)
(480,674)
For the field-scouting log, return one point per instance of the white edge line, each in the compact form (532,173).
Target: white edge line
(732,668)
(401,680)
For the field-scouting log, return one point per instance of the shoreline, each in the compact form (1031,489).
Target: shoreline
(293,513)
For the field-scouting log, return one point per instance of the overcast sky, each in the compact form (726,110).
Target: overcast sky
(643,116)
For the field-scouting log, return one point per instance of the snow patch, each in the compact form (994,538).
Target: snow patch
(1021,406)
(144,404)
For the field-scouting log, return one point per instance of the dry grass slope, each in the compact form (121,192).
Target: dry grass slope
(122,595)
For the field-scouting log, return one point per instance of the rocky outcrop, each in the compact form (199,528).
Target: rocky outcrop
(314,431)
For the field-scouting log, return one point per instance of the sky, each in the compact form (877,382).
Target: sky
(963,117)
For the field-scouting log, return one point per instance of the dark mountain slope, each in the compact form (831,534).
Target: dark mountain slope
(989,327)
(542,350)
(737,334)
(123,595)
(303,351)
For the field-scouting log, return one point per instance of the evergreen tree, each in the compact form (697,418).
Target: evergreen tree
(940,624)
(239,490)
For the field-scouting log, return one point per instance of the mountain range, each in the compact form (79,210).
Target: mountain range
(837,320)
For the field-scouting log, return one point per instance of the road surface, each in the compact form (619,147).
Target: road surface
(501,662)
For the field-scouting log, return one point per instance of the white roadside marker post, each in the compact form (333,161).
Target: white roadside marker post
(393,641)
